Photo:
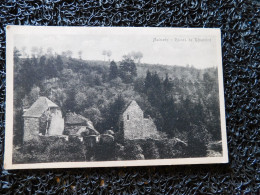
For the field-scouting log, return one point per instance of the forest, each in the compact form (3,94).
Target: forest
(182,101)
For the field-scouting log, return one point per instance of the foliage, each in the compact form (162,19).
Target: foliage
(17,55)
(107,53)
(54,149)
(182,101)
(170,148)
(136,56)
(49,149)
(150,149)
(128,70)
(113,71)
(112,115)
(104,151)
(133,150)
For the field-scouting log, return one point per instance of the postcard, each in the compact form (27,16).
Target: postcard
(113,97)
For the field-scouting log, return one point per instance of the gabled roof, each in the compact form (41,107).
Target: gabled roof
(39,107)
(133,102)
(76,119)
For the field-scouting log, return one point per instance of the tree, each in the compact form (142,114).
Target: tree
(31,97)
(70,102)
(34,52)
(112,114)
(93,113)
(139,85)
(42,66)
(97,80)
(137,56)
(211,101)
(140,56)
(148,80)
(154,89)
(24,53)
(184,111)
(113,70)
(208,83)
(50,68)
(67,54)
(104,53)
(169,115)
(80,53)
(26,76)
(39,52)
(198,138)
(167,86)
(80,99)
(58,63)
(17,55)
(49,52)
(109,53)
(128,70)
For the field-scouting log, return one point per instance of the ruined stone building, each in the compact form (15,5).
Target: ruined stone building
(135,126)
(43,118)
(79,126)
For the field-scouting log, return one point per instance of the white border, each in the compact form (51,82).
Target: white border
(12,30)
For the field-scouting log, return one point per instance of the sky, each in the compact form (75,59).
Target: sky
(198,51)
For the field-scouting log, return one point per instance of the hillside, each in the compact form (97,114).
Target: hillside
(182,101)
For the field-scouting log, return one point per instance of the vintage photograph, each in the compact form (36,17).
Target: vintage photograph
(113,96)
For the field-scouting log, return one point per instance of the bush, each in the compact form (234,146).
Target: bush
(198,140)
(150,150)
(196,148)
(49,149)
(62,151)
(31,152)
(104,151)
(171,148)
(133,151)
(119,151)
(19,157)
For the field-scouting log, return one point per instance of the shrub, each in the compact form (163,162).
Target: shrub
(104,151)
(49,149)
(62,151)
(171,148)
(150,150)
(119,151)
(31,152)
(133,151)
(198,140)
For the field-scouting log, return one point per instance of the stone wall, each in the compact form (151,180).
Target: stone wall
(136,126)
(149,129)
(57,123)
(31,128)
(133,121)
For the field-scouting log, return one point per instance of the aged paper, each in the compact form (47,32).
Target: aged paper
(113,96)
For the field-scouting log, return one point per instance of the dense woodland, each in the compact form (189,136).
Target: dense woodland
(182,101)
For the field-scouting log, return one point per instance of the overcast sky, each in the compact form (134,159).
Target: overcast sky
(169,50)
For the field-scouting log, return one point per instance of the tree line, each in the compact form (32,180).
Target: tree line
(101,90)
